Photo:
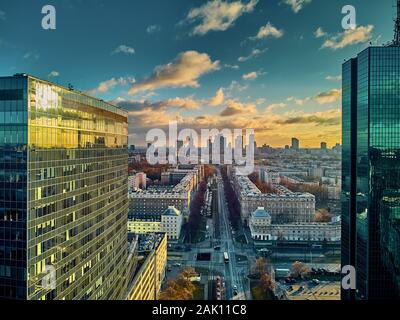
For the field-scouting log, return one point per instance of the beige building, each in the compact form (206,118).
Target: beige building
(262,230)
(171,223)
(284,205)
(150,269)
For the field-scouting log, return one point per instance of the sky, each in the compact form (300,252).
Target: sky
(269,65)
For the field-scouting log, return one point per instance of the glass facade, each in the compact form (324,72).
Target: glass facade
(377,173)
(68,179)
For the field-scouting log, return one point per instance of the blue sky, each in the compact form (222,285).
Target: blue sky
(213,69)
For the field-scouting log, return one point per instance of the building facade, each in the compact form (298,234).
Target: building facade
(149,275)
(262,229)
(284,206)
(63,158)
(371,171)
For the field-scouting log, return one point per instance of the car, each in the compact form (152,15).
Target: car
(234,287)
(217,248)
(315,281)
(169,269)
(177,265)
(235,292)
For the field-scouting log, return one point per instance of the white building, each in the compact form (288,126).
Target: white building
(171,223)
(137,181)
(262,230)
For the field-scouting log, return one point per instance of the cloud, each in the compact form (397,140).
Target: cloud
(254,53)
(297,101)
(217,15)
(334,78)
(154,28)
(349,37)
(2,15)
(124,49)
(32,55)
(275,106)
(297,5)
(111,83)
(234,107)
(268,31)
(53,74)
(250,76)
(230,66)
(319,33)
(184,71)
(330,118)
(218,99)
(328,96)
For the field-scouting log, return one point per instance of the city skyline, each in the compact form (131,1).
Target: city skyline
(174,65)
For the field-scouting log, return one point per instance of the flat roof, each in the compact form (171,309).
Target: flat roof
(118,109)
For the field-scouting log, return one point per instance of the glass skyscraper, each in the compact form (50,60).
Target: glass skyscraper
(63,193)
(371,172)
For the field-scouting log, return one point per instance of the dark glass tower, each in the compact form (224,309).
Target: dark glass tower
(371,171)
(63,193)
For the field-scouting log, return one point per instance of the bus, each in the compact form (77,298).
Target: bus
(226,257)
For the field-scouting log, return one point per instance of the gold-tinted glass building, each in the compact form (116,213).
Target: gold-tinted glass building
(63,193)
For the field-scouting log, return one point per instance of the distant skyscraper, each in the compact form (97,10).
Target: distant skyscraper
(371,171)
(63,193)
(295,144)
(323,145)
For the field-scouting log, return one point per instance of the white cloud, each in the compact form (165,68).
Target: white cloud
(184,71)
(31,55)
(299,102)
(250,76)
(254,53)
(230,66)
(218,99)
(275,106)
(327,97)
(187,103)
(349,37)
(297,5)
(268,31)
(2,15)
(111,83)
(124,49)
(319,33)
(218,15)
(53,74)
(153,28)
(334,78)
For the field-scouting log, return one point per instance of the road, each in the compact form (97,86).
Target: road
(233,276)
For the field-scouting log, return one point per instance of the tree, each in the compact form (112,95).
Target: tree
(299,269)
(260,266)
(323,215)
(180,288)
(266,283)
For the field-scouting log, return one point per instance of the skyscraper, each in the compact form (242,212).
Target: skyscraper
(63,193)
(371,171)
(295,144)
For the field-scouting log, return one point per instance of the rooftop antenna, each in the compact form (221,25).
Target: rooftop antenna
(396,40)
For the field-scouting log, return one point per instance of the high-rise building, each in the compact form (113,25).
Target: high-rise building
(63,193)
(323,146)
(371,171)
(295,144)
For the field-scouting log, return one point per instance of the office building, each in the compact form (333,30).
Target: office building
(63,193)
(149,273)
(295,144)
(371,170)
